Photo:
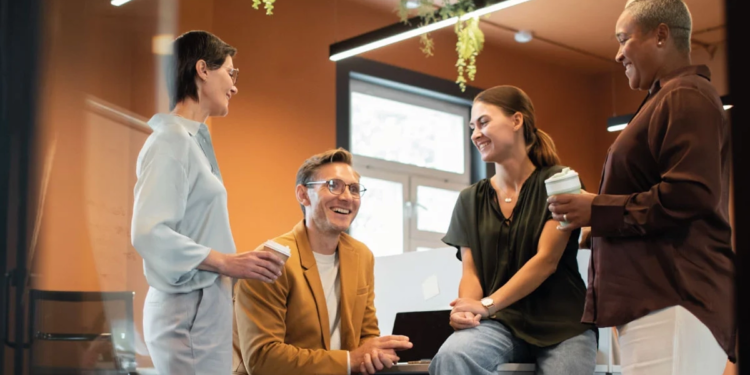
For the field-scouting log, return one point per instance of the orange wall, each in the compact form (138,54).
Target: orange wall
(89,50)
(285,110)
(64,247)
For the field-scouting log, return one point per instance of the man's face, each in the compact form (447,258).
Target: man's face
(331,207)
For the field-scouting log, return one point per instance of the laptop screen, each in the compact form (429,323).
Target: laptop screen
(427,330)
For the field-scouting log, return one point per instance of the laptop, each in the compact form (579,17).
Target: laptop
(427,330)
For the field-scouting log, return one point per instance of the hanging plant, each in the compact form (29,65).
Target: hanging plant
(267,4)
(470,39)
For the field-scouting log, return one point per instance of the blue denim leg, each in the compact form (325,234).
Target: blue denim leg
(477,351)
(574,356)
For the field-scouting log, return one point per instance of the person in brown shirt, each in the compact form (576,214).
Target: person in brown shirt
(662,265)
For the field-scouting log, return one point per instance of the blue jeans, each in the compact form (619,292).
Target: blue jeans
(481,350)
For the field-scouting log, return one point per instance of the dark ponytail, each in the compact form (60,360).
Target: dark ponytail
(511,100)
(543,152)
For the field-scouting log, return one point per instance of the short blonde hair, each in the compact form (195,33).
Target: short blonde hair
(649,14)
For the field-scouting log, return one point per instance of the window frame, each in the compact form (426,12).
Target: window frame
(392,177)
(409,82)
(416,234)
(416,99)
(406,80)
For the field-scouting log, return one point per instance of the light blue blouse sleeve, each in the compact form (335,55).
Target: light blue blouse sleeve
(160,203)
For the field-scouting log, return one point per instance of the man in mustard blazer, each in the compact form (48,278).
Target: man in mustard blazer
(319,315)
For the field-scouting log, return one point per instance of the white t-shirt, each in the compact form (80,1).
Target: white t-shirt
(328,266)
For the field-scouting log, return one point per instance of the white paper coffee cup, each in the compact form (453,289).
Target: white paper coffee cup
(564,182)
(280,250)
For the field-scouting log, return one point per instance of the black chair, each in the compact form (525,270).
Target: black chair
(64,324)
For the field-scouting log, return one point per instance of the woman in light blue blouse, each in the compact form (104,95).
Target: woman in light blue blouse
(180,221)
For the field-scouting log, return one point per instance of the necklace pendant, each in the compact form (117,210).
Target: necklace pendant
(508,200)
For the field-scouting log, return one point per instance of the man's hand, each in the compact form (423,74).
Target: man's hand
(377,353)
(575,209)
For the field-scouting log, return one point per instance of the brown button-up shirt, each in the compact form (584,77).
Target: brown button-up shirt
(660,224)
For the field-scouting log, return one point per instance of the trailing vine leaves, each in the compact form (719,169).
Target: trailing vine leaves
(267,5)
(427,44)
(470,43)
(470,38)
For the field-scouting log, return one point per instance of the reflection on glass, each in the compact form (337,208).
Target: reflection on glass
(380,222)
(88,137)
(435,207)
(405,133)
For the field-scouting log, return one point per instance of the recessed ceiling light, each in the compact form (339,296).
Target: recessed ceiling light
(412,4)
(524,36)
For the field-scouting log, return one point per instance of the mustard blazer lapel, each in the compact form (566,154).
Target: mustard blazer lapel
(312,276)
(349,272)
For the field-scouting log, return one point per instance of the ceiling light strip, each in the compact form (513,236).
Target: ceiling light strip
(400,31)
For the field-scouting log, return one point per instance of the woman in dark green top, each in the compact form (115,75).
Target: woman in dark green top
(521,295)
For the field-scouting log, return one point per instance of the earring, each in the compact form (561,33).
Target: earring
(659,43)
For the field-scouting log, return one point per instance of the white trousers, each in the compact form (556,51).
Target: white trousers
(190,333)
(670,341)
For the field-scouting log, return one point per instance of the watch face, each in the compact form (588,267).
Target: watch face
(487,302)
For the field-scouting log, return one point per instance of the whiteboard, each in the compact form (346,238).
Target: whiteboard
(399,283)
(403,283)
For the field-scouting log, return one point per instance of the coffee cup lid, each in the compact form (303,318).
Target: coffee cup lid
(271,244)
(566,173)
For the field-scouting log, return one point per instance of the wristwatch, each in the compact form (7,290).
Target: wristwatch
(487,302)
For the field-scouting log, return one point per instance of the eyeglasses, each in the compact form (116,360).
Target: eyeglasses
(234,73)
(337,187)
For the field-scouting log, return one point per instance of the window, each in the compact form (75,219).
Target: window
(395,131)
(413,153)
(382,221)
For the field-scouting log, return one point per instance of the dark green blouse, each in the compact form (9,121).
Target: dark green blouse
(500,247)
